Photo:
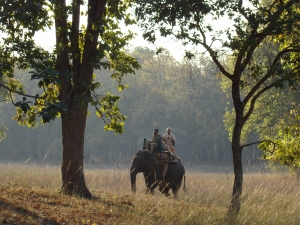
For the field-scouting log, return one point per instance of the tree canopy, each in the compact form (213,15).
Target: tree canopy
(19,51)
(154,99)
(253,25)
(65,75)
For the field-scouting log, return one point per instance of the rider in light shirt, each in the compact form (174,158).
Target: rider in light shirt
(169,140)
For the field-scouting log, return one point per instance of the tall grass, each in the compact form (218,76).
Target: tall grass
(268,198)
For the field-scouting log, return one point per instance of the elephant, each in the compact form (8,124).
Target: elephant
(145,161)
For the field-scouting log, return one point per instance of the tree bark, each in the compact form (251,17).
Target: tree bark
(73,91)
(235,205)
(73,127)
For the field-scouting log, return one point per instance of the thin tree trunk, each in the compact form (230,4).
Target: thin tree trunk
(235,205)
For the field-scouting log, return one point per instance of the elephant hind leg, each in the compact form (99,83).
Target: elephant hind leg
(164,188)
(149,191)
(166,192)
(175,191)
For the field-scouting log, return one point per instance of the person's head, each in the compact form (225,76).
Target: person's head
(169,130)
(155,131)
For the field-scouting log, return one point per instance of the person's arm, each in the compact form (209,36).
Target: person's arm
(174,139)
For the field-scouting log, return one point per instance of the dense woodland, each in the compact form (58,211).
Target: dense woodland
(188,95)
(184,95)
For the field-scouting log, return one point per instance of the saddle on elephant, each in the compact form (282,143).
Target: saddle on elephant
(160,152)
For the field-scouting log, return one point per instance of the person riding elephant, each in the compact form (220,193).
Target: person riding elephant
(151,145)
(169,141)
(145,162)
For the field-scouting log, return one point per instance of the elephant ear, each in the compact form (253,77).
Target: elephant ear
(152,162)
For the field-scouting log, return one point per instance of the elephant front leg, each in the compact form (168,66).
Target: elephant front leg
(150,182)
(150,187)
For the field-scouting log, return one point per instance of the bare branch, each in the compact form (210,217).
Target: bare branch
(257,96)
(241,10)
(257,142)
(262,81)
(212,53)
(268,74)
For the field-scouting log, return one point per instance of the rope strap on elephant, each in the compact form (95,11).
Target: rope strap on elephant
(165,170)
(161,159)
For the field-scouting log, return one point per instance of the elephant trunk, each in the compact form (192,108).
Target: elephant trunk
(133,173)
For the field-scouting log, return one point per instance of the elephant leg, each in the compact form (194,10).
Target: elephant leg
(149,191)
(160,186)
(164,188)
(175,188)
(175,191)
(166,192)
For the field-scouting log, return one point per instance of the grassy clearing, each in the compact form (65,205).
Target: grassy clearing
(30,195)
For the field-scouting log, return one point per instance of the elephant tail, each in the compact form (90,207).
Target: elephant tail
(184,188)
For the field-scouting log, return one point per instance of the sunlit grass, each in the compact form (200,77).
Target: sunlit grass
(30,195)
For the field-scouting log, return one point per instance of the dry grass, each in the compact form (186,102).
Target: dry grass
(30,195)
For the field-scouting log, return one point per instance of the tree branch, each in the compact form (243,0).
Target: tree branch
(257,142)
(268,74)
(241,10)
(257,95)
(212,53)
(74,37)
(18,92)
(26,95)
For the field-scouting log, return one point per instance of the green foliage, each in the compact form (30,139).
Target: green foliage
(285,150)
(166,15)
(257,52)
(19,22)
(2,133)
(163,93)
(109,110)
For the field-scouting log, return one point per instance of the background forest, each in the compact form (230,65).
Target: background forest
(185,96)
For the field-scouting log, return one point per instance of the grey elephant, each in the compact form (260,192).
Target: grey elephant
(145,161)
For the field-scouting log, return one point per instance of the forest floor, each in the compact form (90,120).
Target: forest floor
(30,195)
(22,204)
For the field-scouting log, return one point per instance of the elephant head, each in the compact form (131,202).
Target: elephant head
(145,162)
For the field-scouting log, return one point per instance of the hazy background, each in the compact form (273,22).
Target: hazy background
(165,92)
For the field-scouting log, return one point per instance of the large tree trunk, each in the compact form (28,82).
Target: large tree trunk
(74,92)
(73,127)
